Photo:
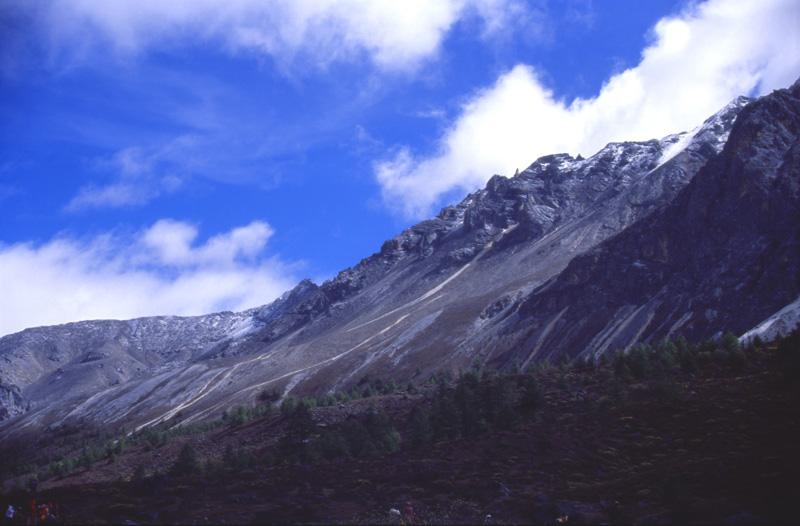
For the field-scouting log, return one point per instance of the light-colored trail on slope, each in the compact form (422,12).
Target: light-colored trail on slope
(443,284)
(204,412)
(208,387)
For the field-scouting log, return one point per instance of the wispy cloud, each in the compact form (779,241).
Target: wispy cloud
(159,270)
(394,35)
(697,62)
(138,176)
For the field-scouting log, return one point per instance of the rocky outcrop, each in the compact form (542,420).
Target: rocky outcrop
(11,403)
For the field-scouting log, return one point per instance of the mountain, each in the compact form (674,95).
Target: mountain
(689,235)
(723,255)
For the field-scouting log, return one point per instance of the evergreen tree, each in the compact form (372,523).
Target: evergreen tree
(501,412)
(302,420)
(288,405)
(420,432)
(467,402)
(532,394)
(730,342)
(445,417)
(687,355)
(382,431)
(334,445)
(638,360)
(187,463)
(358,438)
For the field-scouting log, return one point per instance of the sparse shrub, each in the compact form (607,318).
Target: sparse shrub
(704,357)
(604,360)
(738,361)
(516,368)
(358,438)
(239,460)
(563,383)
(619,392)
(382,431)
(334,445)
(707,345)
(658,369)
(302,420)
(667,388)
(288,405)
(267,458)
(591,362)
(310,401)
(467,400)
(565,362)
(270,396)
(687,355)
(445,417)
(391,387)
(498,399)
(579,363)
(604,403)
(621,369)
(239,416)
(789,347)
(62,468)
(720,356)
(139,473)
(326,401)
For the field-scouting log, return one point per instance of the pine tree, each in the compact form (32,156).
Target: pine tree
(730,342)
(187,463)
(532,394)
(420,432)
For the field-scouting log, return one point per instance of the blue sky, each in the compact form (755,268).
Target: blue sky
(191,156)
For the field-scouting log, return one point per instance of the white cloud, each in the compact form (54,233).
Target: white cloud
(698,61)
(160,270)
(395,35)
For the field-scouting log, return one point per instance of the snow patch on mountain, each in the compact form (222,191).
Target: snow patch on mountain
(779,324)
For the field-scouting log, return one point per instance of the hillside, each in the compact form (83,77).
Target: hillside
(691,234)
(678,433)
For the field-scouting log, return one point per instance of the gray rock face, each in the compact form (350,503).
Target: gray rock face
(725,254)
(571,255)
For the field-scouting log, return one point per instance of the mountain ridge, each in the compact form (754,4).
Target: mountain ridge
(460,287)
